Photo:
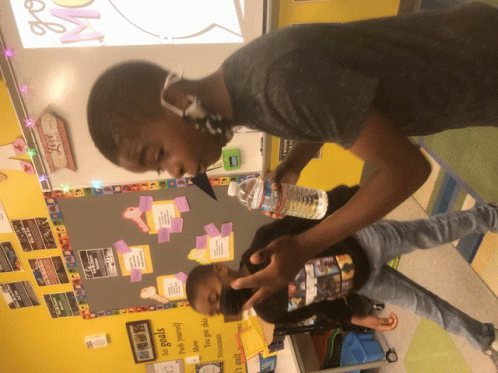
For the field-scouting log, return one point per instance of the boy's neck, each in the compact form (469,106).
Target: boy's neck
(212,92)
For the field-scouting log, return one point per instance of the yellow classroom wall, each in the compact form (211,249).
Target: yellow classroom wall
(336,165)
(31,341)
(291,11)
(34,342)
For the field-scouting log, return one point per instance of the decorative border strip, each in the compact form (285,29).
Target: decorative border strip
(67,250)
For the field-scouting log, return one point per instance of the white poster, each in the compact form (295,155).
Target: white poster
(173,288)
(219,248)
(162,214)
(77,23)
(135,259)
(173,366)
(5,226)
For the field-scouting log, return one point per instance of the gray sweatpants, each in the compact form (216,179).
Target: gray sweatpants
(387,239)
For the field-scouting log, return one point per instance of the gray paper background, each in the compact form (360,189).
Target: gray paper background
(96,222)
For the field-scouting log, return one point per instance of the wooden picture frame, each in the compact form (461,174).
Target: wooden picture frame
(56,149)
(141,342)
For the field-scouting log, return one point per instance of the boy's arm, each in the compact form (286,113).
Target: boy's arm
(296,159)
(400,170)
(272,311)
(337,312)
(376,323)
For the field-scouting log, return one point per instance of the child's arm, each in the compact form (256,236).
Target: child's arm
(400,170)
(376,323)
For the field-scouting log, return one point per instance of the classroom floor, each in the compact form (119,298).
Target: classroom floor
(421,345)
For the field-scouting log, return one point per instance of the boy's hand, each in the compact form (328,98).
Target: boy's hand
(286,259)
(283,173)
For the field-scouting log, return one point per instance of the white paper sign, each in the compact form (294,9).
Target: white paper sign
(163,213)
(173,366)
(5,226)
(135,259)
(173,288)
(192,359)
(219,248)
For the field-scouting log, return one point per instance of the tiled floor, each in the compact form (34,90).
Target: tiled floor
(443,271)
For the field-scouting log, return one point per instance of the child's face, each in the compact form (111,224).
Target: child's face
(170,144)
(215,295)
(208,298)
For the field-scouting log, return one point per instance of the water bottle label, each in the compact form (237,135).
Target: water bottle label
(271,198)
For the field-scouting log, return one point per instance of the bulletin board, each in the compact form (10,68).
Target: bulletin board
(88,223)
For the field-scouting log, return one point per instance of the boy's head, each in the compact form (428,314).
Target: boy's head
(132,129)
(209,292)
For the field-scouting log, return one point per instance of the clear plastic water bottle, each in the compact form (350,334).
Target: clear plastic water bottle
(289,200)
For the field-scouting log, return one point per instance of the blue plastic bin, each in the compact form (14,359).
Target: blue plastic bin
(360,348)
(347,358)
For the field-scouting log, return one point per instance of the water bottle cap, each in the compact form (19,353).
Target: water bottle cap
(232,188)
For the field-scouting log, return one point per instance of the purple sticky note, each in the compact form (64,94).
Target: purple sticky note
(201,242)
(122,247)
(226,229)
(136,274)
(176,225)
(182,204)
(145,203)
(163,235)
(211,230)
(181,276)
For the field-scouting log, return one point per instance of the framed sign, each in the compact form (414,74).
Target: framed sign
(141,342)
(52,132)
(285,145)
(213,367)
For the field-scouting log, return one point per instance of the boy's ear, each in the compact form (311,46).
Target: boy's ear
(220,269)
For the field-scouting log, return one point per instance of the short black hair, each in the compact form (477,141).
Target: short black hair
(123,98)
(197,276)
